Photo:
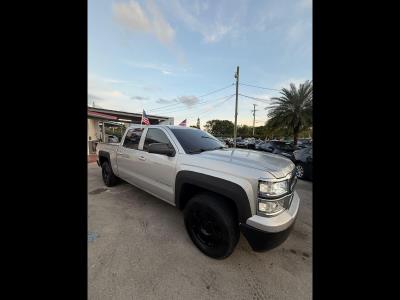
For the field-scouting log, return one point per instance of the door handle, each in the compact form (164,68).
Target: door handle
(142,158)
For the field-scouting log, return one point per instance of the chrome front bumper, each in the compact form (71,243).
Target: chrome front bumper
(279,222)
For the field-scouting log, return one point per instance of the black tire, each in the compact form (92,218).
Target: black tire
(300,171)
(108,175)
(212,225)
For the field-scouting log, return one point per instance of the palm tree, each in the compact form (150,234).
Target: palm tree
(293,109)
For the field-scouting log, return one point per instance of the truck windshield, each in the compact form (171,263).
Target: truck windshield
(196,141)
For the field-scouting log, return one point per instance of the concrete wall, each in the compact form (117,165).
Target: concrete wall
(93,131)
(92,123)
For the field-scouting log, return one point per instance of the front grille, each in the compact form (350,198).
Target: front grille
(292,185)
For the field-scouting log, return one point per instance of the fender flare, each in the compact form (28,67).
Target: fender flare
(106,155)
(217,185)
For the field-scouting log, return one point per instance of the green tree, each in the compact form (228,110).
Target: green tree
(244,131)
(219,127)
(292,111)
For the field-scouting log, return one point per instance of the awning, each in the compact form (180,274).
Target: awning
(100,115)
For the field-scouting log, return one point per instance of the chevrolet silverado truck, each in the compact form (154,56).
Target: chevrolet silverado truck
(221,191)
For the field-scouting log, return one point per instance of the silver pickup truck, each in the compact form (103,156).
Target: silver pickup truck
(221,191)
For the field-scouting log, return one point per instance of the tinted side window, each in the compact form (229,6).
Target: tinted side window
(132,138)
(155,135)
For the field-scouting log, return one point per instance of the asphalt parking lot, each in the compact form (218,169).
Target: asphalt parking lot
(138,248)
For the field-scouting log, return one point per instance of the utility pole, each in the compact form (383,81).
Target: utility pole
(254,117)
(236,106)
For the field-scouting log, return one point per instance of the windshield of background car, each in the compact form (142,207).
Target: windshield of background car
(196,140)
(283,146)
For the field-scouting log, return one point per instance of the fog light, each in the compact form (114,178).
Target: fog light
(270,207)
(267,207)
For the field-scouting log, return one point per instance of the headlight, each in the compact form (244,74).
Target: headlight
(268,189)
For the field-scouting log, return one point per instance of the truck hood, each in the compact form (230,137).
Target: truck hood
(276,165)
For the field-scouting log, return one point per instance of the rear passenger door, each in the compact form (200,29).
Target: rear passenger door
(128,156)
(158,170)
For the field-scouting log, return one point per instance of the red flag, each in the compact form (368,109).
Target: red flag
(145,119)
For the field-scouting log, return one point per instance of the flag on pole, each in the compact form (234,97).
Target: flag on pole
(145,119)
(183,123)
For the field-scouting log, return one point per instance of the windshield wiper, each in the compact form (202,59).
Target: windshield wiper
(203,150)
(220,147)
(197,151)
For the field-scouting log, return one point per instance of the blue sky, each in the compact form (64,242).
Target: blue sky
(151,54)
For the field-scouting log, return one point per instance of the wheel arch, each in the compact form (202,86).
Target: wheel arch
(189,183)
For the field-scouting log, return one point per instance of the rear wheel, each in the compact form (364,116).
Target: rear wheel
(211,224)
(108,175)
(300,171)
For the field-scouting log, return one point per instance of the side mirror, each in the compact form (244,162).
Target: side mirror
(161,148)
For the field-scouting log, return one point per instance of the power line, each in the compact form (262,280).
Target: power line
(255,98)
(207,94)
(188,108)
(260,87)
(217,104)
(184,108)
(216,90)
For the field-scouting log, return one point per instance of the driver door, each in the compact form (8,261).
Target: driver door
(158,170)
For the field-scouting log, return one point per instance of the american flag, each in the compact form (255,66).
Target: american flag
(183,123)
(145,119)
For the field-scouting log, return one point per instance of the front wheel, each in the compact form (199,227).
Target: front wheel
(211,224)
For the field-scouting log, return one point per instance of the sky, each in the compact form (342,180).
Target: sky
(166,56)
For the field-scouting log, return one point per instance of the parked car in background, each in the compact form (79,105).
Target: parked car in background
(304,143)
(251,142)
(241,143)
(229,142)
(278,147)
(112,139)
(257,144)
(303,159)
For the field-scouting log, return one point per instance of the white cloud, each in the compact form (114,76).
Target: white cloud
(286,83)
(106,96)
(189,101)
(298,31)
(150,19)
(165,101)
(217,33)
(166,70)
(110,80)
(197,18)
(140,98)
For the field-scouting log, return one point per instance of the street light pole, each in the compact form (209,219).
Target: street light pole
(236,106)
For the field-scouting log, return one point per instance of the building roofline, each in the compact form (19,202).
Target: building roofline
(127,113)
